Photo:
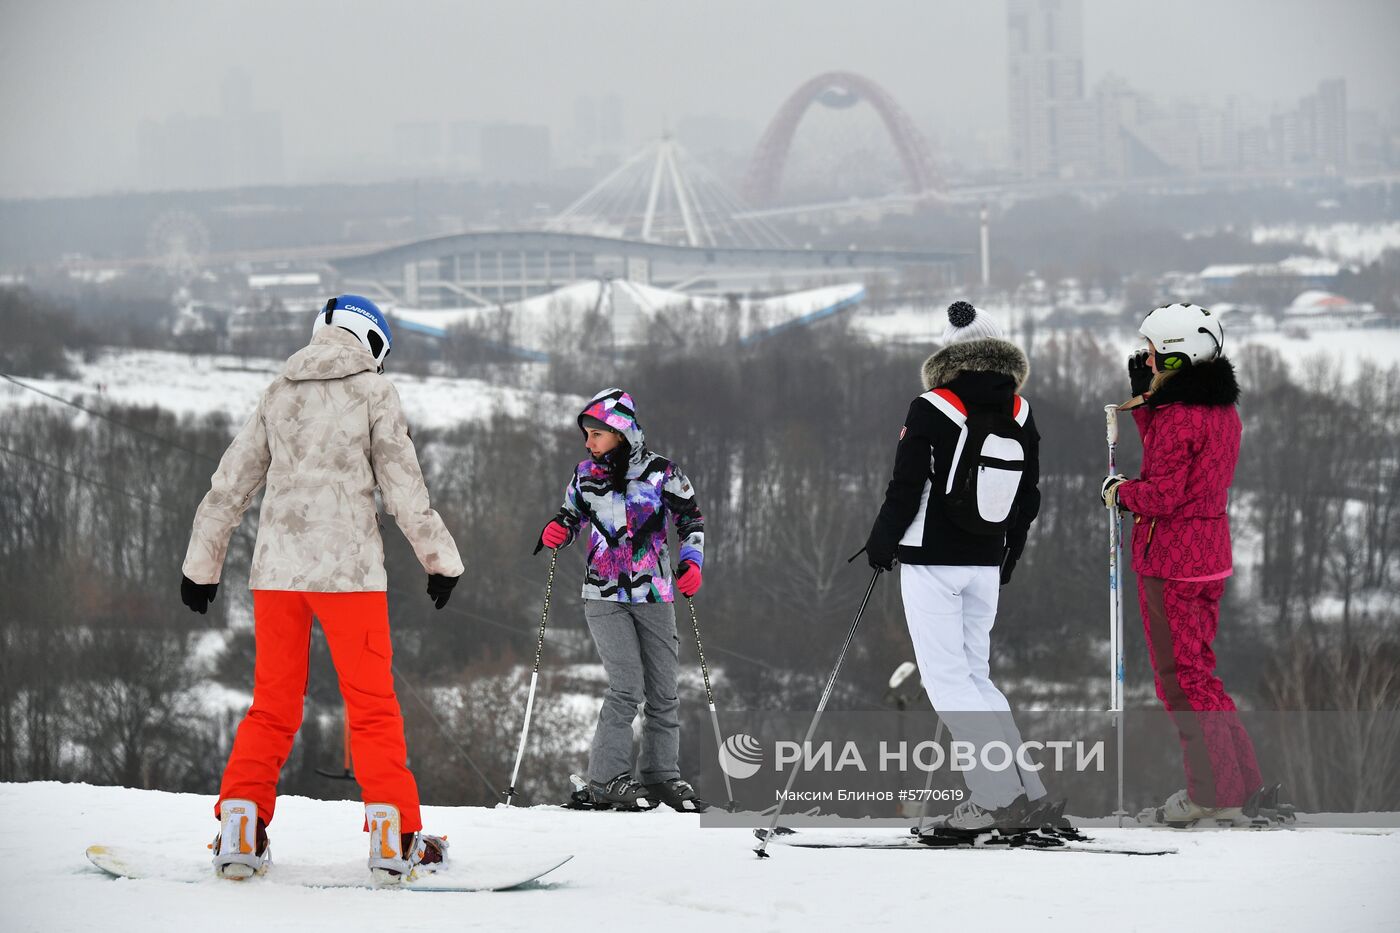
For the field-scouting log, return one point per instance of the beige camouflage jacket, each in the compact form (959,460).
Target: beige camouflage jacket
(325,434)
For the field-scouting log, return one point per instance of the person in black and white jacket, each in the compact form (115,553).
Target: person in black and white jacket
(956,515)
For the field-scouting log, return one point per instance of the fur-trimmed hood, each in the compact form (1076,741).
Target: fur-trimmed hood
(1211,383)
(985,354)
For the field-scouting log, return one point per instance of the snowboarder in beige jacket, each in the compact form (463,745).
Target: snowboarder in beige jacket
(326,433)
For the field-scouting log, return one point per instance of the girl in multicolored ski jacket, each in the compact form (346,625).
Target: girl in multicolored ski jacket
(626,493)
(1184,405)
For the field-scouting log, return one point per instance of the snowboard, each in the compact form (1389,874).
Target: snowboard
(464,874)
(894,839)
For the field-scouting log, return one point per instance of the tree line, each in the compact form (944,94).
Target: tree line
(105,677)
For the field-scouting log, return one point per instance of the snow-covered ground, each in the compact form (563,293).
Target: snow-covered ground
(631,313)
(200,384)
(1345,345)
(923,324)
(662,871)
(1343,241)
(1348,346)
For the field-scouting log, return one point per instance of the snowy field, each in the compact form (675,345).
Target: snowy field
(1343,241)
(200,384)
(1346,346)
(661,871)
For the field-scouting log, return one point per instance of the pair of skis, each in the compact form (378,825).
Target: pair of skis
(1032,841)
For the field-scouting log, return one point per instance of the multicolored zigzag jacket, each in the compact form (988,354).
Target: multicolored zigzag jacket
(628,558)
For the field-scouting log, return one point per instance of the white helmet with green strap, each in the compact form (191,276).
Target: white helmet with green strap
(1183,334)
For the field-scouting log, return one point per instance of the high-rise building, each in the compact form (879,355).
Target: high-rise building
(515,152)
(597,124)
(238,146)
(1330,125)
(418,146)
(464,145)
(1313,136)
(1049,121)
(610,122)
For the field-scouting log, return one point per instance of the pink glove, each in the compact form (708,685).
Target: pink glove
(554,535)
(689,581)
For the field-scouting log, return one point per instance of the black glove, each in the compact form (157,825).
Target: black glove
(1008,564)
(1108,492)
(1010,556)
(879,557)
(440,588)
(197,596)
(1139,372)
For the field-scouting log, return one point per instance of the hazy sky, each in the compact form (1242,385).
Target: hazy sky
(78,76)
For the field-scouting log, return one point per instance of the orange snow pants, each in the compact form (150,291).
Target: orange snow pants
(356,626)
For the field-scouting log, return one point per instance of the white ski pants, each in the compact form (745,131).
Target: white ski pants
(950,611)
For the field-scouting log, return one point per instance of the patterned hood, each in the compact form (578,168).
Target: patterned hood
(614,408)
(627,506)
(333,353)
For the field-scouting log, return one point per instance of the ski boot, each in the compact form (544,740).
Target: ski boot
(970,824)
(1181,812)
(1274,808)
(677,794)
(1047,818)
(1264,810)
(396,857)
(236,856)
(579,797)
(620,793)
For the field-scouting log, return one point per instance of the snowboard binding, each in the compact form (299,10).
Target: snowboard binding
(395,857)
(241,848)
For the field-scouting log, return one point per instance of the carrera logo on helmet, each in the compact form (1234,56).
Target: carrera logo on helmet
(1174,340)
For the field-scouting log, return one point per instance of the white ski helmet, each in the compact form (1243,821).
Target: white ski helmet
(362,318)
(1183,334)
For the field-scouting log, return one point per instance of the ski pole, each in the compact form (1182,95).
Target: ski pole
(762,850)
(1115,603)
(534,677)
(345,773)
(928,785)
(710,696)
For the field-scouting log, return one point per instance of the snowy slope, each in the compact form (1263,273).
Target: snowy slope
(632,310)
(661,871)
(1347,346)
(1345,241)
(199,384)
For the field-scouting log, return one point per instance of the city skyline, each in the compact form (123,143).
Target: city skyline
(157,64)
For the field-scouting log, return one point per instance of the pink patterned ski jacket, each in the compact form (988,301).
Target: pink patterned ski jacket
(1191,446)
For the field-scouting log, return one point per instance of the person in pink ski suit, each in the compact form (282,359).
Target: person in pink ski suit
(1185,412)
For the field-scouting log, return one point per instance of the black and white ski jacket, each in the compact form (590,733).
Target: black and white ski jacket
(912,524)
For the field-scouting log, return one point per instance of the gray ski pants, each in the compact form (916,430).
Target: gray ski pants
(641,653)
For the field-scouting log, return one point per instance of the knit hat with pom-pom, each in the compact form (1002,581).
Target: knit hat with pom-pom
(967,323)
